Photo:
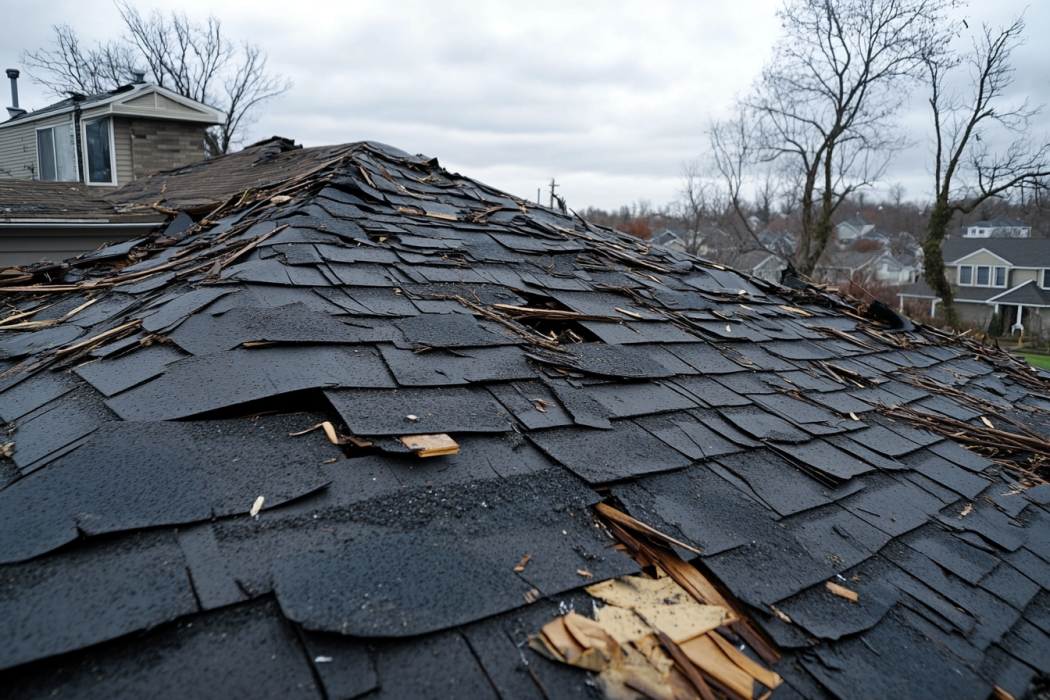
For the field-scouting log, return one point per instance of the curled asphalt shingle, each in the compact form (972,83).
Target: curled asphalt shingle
(742,418)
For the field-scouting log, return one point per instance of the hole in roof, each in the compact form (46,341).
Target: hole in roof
(563,331)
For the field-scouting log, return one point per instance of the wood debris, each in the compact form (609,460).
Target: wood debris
(842,591)
(431,445)
(329,430)
(257,506)
(653,637)
(521,564)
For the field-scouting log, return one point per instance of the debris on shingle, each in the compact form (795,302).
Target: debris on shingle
(220,427)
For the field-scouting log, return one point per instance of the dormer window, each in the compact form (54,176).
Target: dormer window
(98,140)
(982,276)
(1046,279)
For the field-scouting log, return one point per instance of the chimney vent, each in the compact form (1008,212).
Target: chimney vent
(139,77)
(14,110)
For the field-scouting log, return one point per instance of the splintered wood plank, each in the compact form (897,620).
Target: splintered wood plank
(431,445)
(843,592)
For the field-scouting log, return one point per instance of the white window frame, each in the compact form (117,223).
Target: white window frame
(54,153)
(959,276)
(1006,276)
(112,150)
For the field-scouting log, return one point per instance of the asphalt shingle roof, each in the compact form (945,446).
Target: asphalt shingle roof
(168,529)
(1023,252)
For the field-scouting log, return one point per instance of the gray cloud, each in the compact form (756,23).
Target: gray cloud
(609,97)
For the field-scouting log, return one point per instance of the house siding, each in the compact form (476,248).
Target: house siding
(122,146)
(1022,276)
(977,314)
(18,147)
(162,145)
(982,258)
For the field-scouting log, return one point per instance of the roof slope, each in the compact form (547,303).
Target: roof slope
(1022,252)
(36,199)
(168,529)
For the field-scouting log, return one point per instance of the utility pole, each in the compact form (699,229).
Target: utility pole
(552,186)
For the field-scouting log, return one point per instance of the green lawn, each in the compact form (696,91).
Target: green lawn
(1040,361)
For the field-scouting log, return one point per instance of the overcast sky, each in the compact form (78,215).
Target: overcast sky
(608,97)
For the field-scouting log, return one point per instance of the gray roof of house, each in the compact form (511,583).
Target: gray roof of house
(919,289)
(856,221)
(69,102)
(1021,252)
(1027,294)
(998,222)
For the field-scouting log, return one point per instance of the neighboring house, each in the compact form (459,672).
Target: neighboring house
(1009,276)
(58,220)
(1000,227)
(845,266)
(880,237)
(105,140)
(760,263)
(781,242)
(850,230)
(669,239)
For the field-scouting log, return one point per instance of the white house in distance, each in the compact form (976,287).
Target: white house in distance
(104,140)
(850,230)
(1000,227)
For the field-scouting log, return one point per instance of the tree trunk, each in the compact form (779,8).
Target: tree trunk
(933,263)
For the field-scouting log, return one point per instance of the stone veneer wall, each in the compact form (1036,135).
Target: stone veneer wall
(162,145)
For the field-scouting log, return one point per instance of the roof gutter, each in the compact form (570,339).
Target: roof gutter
(78,223)
(77,112)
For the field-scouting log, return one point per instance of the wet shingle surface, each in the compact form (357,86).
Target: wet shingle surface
(165,530)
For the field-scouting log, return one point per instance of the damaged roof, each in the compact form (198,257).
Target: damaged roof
(218,481)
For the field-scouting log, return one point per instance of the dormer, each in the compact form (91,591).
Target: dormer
(106,140)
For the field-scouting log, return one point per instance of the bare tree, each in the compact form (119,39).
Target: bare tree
(825,106)
(968,171)
(695,203)
(896,193)
(70,67)
(734,158)
(195,60)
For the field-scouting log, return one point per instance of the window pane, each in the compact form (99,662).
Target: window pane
(1000,277)
(45,151)
(965,274)
(65,153)
(98,157)
(1046,278)
(982,275)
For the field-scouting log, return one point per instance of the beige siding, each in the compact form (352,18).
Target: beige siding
(18,147)
(145,101)
(157,106)
(169,105)
(981,258)
(123,151)
(1022,276)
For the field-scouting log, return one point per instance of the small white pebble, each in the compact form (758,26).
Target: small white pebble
(323,660)
(411,417)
